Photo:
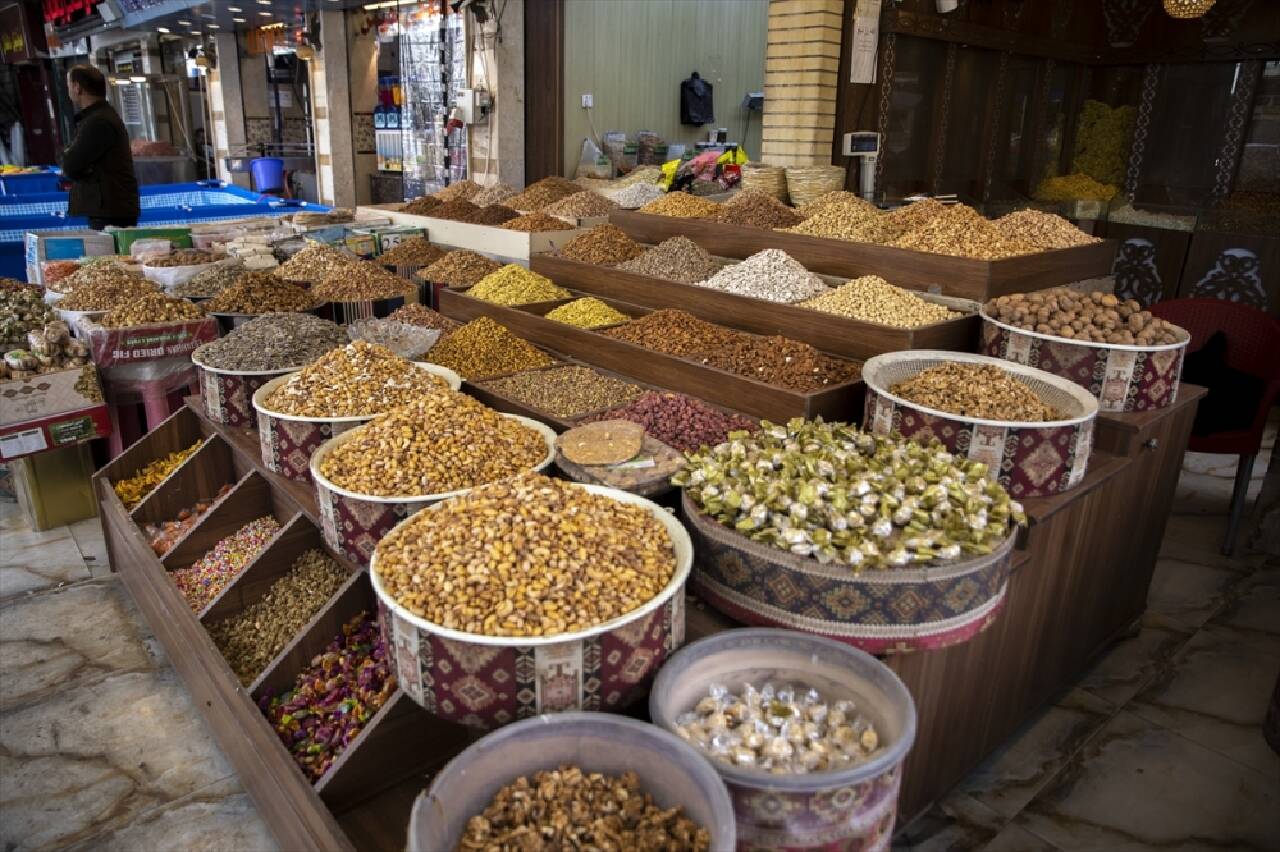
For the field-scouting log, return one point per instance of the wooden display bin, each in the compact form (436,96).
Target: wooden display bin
(364,799)
(963,277)
(838,335)
(839,402)
(508,246)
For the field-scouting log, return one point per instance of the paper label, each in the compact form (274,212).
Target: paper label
(866,39)
(22,443)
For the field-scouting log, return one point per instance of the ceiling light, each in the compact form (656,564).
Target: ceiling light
(238,20)
(196,32)
(234,9)
(268,14)
(213,26)
(184,23)
(162,29)
(264,2)
(137,79)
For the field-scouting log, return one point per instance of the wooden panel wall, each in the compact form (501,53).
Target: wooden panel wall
(544,88)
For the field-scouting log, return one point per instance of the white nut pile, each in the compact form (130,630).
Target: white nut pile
(636,195)
(772,275)
(872,299)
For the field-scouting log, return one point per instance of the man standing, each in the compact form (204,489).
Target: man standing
(98,162)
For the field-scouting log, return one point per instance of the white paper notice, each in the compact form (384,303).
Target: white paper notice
(22,443)
(866,38)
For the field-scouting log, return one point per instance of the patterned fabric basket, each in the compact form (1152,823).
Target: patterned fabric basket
(488,681)
(227,395)
(1028,459)
(881,612)
(1122,378)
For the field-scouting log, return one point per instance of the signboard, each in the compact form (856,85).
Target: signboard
(118,347)
(15,40)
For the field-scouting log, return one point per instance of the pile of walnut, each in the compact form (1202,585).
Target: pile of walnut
(1089,317)
(571,809)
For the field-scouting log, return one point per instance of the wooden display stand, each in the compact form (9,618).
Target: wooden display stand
(964,277)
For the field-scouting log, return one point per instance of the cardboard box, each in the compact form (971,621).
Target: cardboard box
(55,489)
(63,245)
(51,410)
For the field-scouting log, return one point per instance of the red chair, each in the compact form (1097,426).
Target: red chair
(1253,347)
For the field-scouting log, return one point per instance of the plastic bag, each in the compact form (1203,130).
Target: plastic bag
(593,163)
(149,245)
(169,277)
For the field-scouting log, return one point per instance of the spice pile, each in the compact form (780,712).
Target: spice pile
(983,391)
(260,292)
(465,190)
(363,282)
(779,728)
(22,309)
(678,421)
(1092,317)
(496,194)
(674,259)
(436,444)
(772,275)
(333,698)
(830,491)
(566,808)
(210,282)
(459,268)
(536,223)
(757,209)
(872,299)
(458,210)
(164,535)
(682,205)
(587,312)
(565,392)
(314,263)
(515,285)
(582,205)
(415,251)
(542,194)
(636,195)
(484,348)
(603,245)
(151,309)
(421,206)
(272,342)
(216,570)
(133,489)
(576,559)
(961,231)
(359,380)
(251,639)
(422,316)
(1041,230)
(494,214)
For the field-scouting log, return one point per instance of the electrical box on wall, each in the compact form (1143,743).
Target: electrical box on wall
(473,106)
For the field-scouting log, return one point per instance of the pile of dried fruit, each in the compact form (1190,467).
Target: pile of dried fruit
(415,251)
(272,342)
(674,259)
(515,285)
(536,223)
(674,332)
(603,245)
(682,205)
(458,210)
(1074,187)
(460,268)
(133,489)
(422,206)
(103,274)
(494,214)
(260,292)
(830,491)
(872,299)
(565,392)
(359,380)
(482,348)
(150,309)
(677,420)
(983,391)
(757,209)
(587,312)
(1091,317)
(164,535)
(772,275)
(213,572)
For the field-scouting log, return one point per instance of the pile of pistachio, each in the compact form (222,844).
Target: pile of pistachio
(833,492)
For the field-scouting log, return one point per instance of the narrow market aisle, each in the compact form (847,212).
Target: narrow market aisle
(1159,745)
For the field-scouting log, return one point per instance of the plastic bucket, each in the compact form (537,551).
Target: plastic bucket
(268,174)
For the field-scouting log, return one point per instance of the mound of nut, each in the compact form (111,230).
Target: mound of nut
(314,263)
(1090,317)
(837,494)
(358,380)
(261,292)
(282,341)
(483,348)
(362,282)
(983,391)
(442,442)
(872,299)
(528,556)
(515,285)
(149,309)
(107,294)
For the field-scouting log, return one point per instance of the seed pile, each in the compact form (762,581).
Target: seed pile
(458,210)
(872,299)
(22,309)
(164,535)
(839,197)
(106,295)
(581,205)
(210,282)
(1092,317)
(261,292)
(772,275)
(494,214)
(415,251)
(459,268)
(422,206)
(515,285)
(757,209)
(603,245)
(636,195)
(420,315)
(566,809)
(272,342)
(133,489)
(963,232)
(542,194)
(214,571)
(558,559)
(184,257)
(565,392)
(463,190)
(587,312)
(536,223)
(444,442)
(1041,230)
(150,309)
(832,492)
(682,205)
(983,391)
(779,728)
(314,263)
(483,348)
(496,194)
(678,421)
(251,639)
(359,380)
(363,282)
(674,259)
(333,698)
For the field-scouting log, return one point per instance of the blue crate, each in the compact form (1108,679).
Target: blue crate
(38,182)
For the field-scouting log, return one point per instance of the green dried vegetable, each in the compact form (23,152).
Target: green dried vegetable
(838,494)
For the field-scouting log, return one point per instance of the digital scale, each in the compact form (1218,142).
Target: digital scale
(864,144)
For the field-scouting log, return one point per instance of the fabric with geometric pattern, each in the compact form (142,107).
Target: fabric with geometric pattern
(1235,277)
(1136,274)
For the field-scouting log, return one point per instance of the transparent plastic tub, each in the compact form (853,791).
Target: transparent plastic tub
(669,769)
(848,809)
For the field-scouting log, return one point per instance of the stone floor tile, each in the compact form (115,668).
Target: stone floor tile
(1255,603)
(1131,664)
(67,638)
(1184,595)
(30,561)
(1199,538)
(1014,775)
(959,823)
(1215,693)
(92,546)
(1015,838)
(1138,786)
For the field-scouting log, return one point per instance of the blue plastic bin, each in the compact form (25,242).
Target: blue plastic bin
(268,174)
(27,184)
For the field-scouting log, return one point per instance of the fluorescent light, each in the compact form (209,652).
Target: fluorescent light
(137,79)
(268,14)
(162,29)
(196,32)
(234,9)
(184,23)
(238,20)
(213,26)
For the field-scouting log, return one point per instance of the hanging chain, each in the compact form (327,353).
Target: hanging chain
(1237,119)
(887,59)
(1001,77)
(948,83)
(1141,126)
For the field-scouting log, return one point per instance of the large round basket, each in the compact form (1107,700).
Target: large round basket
(881,612)
(805,183)
(1030,459)
(489,681)
(843,809)
(287,440)
(1121,377)
(354,523)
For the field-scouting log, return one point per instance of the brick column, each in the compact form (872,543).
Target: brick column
(800,72)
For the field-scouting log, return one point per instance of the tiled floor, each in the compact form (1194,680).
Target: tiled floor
(1159,746)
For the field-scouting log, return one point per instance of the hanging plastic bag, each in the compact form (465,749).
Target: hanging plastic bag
(697,105)
(593,163)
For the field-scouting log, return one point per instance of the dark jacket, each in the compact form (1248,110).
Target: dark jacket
(99,165)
